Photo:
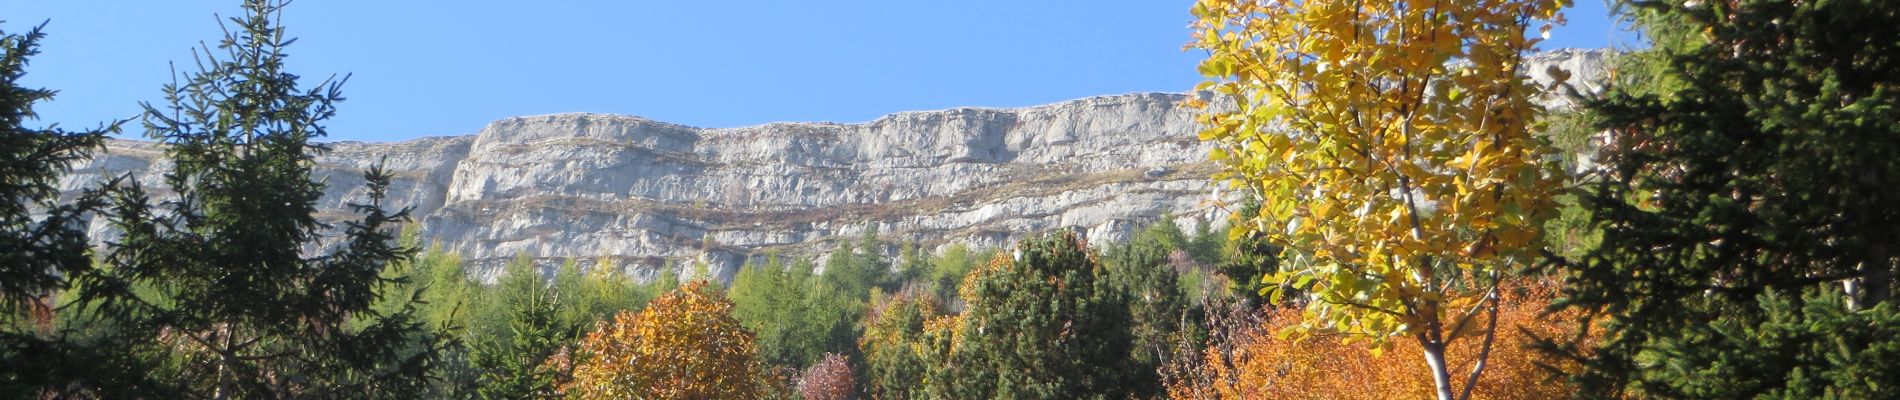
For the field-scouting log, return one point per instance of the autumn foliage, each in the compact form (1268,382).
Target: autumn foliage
(1390,145)
(1262,363)
(684,345)
(830,379)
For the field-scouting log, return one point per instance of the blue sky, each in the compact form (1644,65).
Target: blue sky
(428,68)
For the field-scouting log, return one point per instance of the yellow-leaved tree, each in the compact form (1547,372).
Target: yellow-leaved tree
(1390,145)
(684,345)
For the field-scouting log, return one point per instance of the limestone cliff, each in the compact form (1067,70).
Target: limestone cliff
(643,192)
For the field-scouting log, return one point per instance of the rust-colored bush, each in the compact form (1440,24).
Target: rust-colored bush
(1258,364)
(831,379)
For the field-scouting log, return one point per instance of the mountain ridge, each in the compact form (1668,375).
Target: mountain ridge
(641,192)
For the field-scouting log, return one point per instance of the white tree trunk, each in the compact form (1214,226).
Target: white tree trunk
(1441,377)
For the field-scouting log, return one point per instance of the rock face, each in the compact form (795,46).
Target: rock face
(646,193)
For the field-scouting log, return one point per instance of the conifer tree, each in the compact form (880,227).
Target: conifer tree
(438,279)
(522,329)
(602,292)
(768,299)
(42,245)
(1046,323)
(855,268)
(35,253)
(233,284)
(1156,305)
(1749,214)
(913,265)
(949,267)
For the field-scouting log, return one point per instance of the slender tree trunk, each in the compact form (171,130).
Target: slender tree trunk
(1441,376)
(1490,335)
(225,360)
(1852,288)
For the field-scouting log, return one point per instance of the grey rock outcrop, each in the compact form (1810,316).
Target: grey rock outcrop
(644,193)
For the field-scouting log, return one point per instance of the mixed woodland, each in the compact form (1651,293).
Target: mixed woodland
(1413,225)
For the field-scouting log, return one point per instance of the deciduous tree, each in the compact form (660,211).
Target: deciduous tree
(1258,363)
(897,356)
(1390,145)
(831,379)
(684,345)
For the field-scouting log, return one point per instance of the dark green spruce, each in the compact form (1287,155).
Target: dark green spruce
(233,286)
(43,244)
(1750,209)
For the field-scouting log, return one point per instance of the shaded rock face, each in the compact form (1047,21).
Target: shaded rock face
(646,194)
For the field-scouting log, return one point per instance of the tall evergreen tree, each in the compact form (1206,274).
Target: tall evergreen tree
(35,252)
(913,265)
(42,244)
(949,267)
(233,283)
(521,330)
(602,292)
(1754,174)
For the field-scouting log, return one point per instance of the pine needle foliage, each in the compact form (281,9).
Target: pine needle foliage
(236,287)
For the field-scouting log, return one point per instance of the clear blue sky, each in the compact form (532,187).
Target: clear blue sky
(426,68)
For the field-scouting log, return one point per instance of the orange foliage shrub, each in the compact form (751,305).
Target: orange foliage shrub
(1262,365)
(684,345)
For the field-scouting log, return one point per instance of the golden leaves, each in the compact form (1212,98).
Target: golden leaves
(1389,140)
(685,344)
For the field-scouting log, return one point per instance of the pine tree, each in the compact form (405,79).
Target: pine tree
(35,253)
(231,281)
(42,245)
(949,267)
(1044,324)
(775,302)
(521,329)
(913,265)
(855,268)
(604,291)
(1752,177)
